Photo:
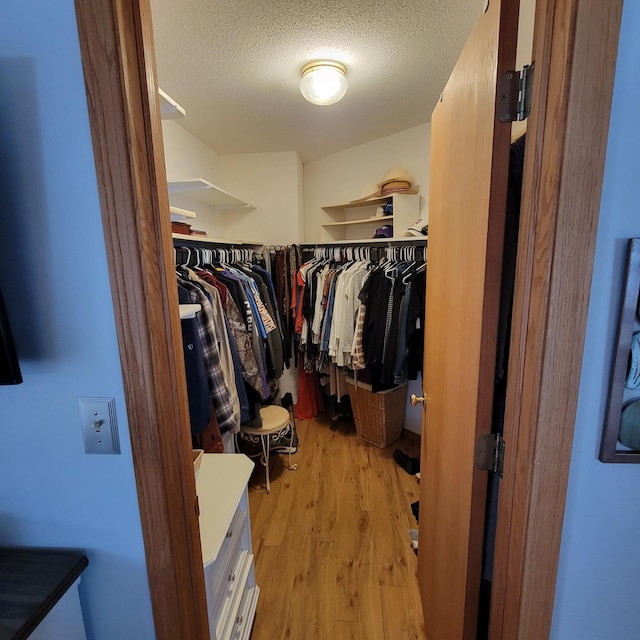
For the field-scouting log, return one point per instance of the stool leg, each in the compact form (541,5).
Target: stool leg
(266,445)
(292,467)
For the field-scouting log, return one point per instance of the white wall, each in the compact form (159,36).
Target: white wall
(340,177)
(598,589)
(270,182)
(186,156)
(54,277)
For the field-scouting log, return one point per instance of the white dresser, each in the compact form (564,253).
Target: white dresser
(225,530)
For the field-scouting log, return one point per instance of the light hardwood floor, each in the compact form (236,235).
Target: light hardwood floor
(332,549)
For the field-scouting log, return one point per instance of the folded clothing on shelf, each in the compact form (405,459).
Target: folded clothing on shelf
(181,227)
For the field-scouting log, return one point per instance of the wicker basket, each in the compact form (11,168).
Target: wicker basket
(378,417)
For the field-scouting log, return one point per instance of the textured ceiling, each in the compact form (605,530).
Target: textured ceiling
(234,65)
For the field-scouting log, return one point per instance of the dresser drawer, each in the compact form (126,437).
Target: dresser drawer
(234,535)
(228,605)
(217,573)
(247,611)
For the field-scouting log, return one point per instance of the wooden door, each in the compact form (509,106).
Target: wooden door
(469,168)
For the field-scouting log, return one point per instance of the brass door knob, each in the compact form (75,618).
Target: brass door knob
(415,400)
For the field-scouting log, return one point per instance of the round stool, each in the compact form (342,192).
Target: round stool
(275,423)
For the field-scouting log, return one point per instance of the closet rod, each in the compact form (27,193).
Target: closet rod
(364,242)
(398,251)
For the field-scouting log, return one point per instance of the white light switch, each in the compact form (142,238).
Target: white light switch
(99,425)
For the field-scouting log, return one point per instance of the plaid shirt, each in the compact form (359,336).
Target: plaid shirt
(221,392)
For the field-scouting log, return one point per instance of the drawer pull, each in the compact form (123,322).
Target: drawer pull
(232,577)
(239,619)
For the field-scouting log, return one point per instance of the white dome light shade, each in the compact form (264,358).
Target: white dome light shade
(323,82)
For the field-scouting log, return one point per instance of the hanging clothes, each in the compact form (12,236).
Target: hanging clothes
(283,263)
(244,328)
(361,312)
(225,400)
(240,332)
(344,309)
(200,409)
(310,401)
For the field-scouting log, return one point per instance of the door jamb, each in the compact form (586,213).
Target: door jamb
(575,50)
(116,42)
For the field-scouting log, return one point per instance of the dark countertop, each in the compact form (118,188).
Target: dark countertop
(32,580)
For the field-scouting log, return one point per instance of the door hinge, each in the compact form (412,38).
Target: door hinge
(196,504)
(490,453)
(515,89)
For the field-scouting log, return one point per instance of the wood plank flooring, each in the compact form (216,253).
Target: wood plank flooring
(332,551)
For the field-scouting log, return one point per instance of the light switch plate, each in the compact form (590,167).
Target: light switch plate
(99,425)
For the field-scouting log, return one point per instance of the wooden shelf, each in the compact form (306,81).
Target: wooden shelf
(330,243)
(380,219)
(169,108)
(180,215)
(195,238)
(189,310)
(374,202)
(204,191)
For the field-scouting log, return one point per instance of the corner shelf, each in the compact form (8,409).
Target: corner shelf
(204,191)
(169,108)
(341,217)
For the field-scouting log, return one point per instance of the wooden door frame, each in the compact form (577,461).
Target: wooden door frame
(575,51)
(116,42)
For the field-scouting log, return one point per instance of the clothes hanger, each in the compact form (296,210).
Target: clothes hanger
(390,264)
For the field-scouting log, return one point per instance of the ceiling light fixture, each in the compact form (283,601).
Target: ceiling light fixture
(323,82)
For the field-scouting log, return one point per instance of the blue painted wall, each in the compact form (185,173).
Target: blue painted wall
(54,277)
(598,589)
